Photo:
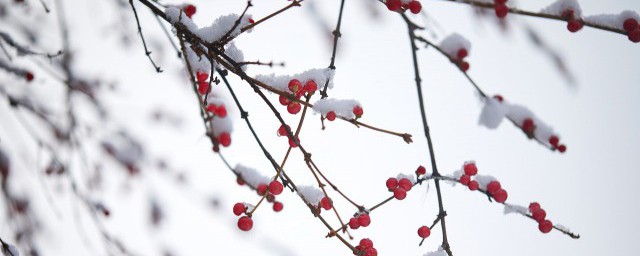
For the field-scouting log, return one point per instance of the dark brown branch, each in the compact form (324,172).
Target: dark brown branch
(146,50)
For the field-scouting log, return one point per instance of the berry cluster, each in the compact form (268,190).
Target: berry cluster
(366,246)
(296,87)
(360,220)
(538,214)
(500,7)
(494,189)
(555,143)
(282,131)
(529,127)
(399,187)
(189,10)
(357,111)
(270,192)
(398,6)
(459,59)
(573,24)
(633,29)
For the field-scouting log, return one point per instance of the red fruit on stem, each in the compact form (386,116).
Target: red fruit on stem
(366,243)
(415,7)
(277,206)
(261,189)
(203,87)
(245,223)
(630,24)
(275,187)
(284,100)
(28,76)
(500,195)
(392,183)
(470,169)
(500,1)
(539,214)
(189,10)
(201,76)
(574,25)
(292,143)
(634,36)
(371,252)
(421,170)
(464,66)
(295,85)
(399,193)
(528,126)
(473,185)
(424,232)
(331,116)
(240,181)
(501,10)
(224,139)
(270,198)
(464,179)
(282,131)
(534,206)
(553,140)
(357,110)
(238,209)
(364,220)
(394,5)
(326,203)
(221,111)
(562,148)
(353,223)
(493,186)
(545,226)
(462,53)
(405,184)
(293,108)
(252,21)
(310,86)
(498,97)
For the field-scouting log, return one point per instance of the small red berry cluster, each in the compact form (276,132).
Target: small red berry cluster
(573,24)
(360,220)
(396,6)
(555,143)
(296,87)
(189,10)
(282,131)
(633,29)
(270,192)
(399,187)
(203,85)
(500,7)
(357,111)
(459,59)
(494,189)
(538,214)
(366,246)
(245,223)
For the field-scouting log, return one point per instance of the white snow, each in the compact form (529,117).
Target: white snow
(410,177)
(343,108)
(198,63)
(612,20)
(281,82)
(175,15)
(439,252)
(251,176)
(483,180)
(221,26)
(311,194)
(559,6)
(453,43)
(514,208)
(235,54)
(12,250)
(492,113)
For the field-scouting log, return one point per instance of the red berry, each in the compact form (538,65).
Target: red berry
(203,87)
(371,252)
(220,111)
(500,1)
(270,198)
(277,206)
(28,76)
(424,232)
(392,183)
(470,169)
(294,108)
(498,97)
(399,193)
(574,25)
(534,206)
(364,220)
(394,5)
(473,185)
(501,10)
(331,116)
(245,223)
(415,7)
(240,181)
(261,189)
(326,203)
(405,184)
(528,126)
(553,140)
(545,226)
(421,170)
(500,195)
(462,53)
(634,36)
(464,66)
(562,148)
(630,24)
(295,85)
(252,21)
(238,209)
(292,143)
(357,110)
(284,100)
(282,131)
(464,179)
(366,243)
(354,224)
(275,187)
(493,186)
(224,139)
(539,215)
(310,87)
(201,76)
(189,10)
